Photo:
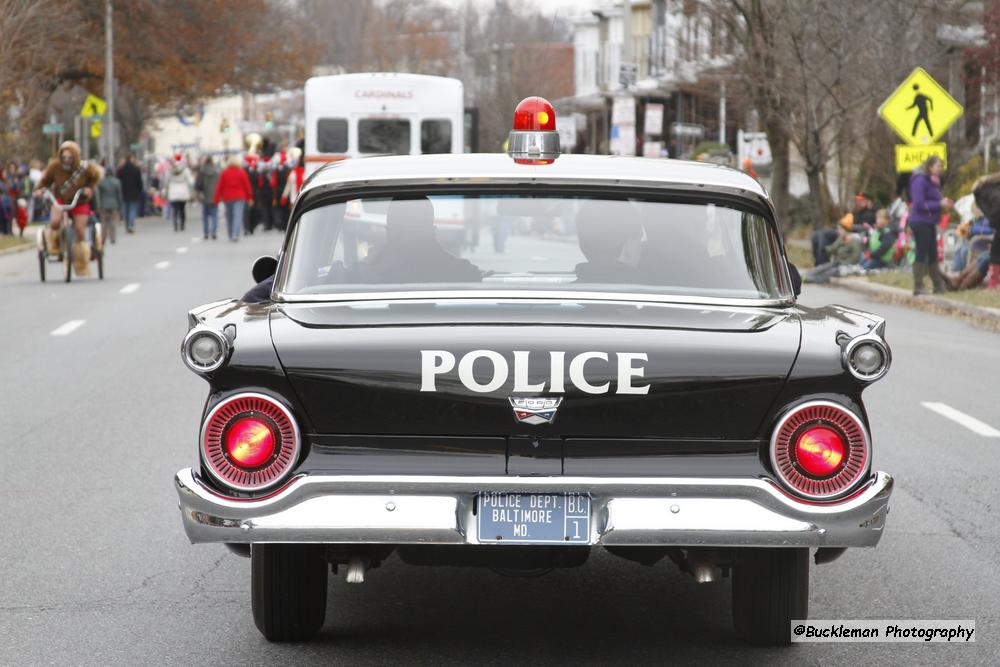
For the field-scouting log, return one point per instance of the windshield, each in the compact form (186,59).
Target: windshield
(390,137)
(496,242)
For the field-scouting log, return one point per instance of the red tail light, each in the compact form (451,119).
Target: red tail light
(820,450)
(250,442)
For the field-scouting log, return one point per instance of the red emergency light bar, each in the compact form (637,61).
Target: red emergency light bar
(534,139)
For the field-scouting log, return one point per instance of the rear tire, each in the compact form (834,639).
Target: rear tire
(288,592)
(67,254)
(97,248)
(770,590)
(42,255)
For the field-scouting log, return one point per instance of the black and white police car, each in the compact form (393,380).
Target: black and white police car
(613,359)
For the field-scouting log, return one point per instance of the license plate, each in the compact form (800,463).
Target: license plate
(534,518)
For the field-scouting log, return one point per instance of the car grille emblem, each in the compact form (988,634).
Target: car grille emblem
(535,410)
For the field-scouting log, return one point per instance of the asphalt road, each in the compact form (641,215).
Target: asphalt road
(95,568)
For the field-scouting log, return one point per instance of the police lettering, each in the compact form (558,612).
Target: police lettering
(597,365)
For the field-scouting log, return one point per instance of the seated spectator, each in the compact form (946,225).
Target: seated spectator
(967,231)
(973,274)
(881,243)
(987,193)
(845,251)
(861,219)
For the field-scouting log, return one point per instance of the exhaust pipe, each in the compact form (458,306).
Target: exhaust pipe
(356,569)
(704,573)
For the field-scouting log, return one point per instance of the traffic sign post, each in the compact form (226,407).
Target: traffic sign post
(920,110)
(94,108)
(628,74)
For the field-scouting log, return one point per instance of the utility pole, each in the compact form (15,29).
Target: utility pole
(627,33)
(722,111)
(109,84)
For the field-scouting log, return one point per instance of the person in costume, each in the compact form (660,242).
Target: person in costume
(66,175)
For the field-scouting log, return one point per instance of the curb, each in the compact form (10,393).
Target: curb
(988,317)
(17,248)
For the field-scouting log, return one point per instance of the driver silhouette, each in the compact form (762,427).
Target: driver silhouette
(411,253)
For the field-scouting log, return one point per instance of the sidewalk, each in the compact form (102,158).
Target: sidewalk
(982,316)
(14,243)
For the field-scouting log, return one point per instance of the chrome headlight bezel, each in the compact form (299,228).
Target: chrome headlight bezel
(853,347)
(225,348)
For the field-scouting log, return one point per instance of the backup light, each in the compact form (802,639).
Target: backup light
(204,349)
(867,357)
(534,139)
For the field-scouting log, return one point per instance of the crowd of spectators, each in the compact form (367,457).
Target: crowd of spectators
(905,234)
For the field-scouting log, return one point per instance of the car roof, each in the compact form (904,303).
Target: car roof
(483,168)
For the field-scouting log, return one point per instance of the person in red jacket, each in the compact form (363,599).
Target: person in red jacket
(234,191)
(22,215)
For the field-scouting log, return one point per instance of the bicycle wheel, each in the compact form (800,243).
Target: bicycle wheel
(43,253)
(97,247)
(67,245)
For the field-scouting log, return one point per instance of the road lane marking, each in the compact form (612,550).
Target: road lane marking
(195,239)
(128,289)
(182,250)
(965,420)
(68,328)
(162,265)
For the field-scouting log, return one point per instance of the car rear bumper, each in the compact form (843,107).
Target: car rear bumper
(417,509)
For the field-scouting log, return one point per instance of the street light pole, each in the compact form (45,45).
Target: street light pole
(109,83)
(722,111)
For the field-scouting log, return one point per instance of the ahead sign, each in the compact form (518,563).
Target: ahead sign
(909,158)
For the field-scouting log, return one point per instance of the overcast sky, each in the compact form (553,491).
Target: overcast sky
(562,7)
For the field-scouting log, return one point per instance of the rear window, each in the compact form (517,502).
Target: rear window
(435,136)
(385,137)
(331,135)
(491,242)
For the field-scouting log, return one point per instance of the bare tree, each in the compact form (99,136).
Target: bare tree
(30,32)
(816,72)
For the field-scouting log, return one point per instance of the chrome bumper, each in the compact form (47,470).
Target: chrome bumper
(416,509)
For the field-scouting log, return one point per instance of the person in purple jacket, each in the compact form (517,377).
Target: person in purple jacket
(926,204)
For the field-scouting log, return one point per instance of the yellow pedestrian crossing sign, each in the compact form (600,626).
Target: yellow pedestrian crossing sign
(920,110)
(93,106)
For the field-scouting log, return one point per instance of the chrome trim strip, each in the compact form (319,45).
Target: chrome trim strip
(529,295)
(419,509)
(802,406)
(194,315)
(281,406)
(878,342)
